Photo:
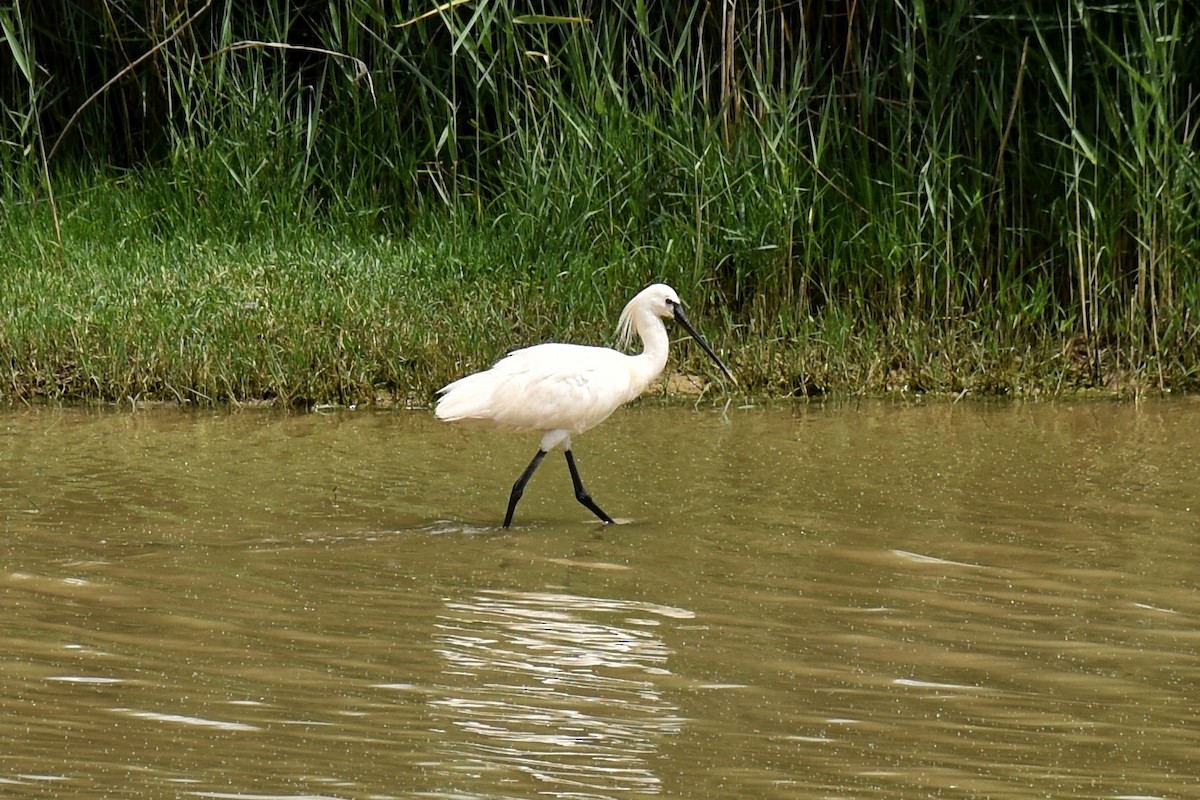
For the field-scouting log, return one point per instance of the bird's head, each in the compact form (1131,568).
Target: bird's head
(662,301)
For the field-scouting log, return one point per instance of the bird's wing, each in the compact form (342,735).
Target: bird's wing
(546,387)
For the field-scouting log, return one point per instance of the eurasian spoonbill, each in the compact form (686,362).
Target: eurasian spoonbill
(560,390)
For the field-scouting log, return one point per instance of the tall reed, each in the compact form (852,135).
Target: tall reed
(931,195)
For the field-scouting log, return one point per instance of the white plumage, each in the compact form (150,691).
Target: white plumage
(560,390)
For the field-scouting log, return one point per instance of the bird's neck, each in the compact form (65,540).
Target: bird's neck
(649,365)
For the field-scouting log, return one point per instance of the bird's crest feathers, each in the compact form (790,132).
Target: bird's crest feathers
(625,329)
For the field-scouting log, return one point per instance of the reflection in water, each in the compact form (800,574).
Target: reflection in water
(556,687)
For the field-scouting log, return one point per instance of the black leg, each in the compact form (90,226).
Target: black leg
(581,493)
(519,487)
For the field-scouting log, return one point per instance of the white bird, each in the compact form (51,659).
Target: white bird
(560,390)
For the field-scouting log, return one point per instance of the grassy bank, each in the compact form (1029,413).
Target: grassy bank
(325,202)
(304,315)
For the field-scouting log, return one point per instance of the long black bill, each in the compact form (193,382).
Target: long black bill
(682,319)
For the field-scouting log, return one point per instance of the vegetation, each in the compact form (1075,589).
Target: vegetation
(315,201)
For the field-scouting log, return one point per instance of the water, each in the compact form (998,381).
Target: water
(860,601)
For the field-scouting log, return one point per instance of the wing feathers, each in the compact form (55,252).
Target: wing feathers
(546,387)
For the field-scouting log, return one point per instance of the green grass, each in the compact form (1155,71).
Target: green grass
(293,314)
(300,314)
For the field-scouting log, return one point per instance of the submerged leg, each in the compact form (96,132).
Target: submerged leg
(519,487)
(581,493)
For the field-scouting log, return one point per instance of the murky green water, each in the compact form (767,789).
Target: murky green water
(853,601)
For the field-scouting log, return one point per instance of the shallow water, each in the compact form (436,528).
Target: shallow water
(873,600)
